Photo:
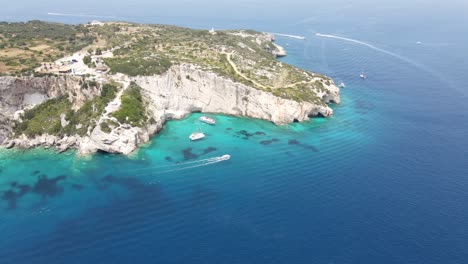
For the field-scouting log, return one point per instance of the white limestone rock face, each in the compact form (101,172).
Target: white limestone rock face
(332,94)
(185,89)
(121,140)
(173,95)
(5,128)
(17,93)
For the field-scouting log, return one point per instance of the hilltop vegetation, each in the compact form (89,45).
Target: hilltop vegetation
(159,46)
(244,56)
(139,66)
(23,46)
(152,49)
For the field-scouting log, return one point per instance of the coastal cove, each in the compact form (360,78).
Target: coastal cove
(49,189)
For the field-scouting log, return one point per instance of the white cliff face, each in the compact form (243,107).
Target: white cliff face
(181,90)
(185,89)
(19,93)
(121,140)
(332,94)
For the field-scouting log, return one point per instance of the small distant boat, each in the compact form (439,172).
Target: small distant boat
(197,135)
(207,119)
(363,76)
(342,85)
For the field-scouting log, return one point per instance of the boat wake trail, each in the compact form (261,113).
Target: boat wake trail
(79,15)
(407,60)
(181,166)
(395,55)
(288,35)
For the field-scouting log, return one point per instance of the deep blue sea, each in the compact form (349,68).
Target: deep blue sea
(384,180)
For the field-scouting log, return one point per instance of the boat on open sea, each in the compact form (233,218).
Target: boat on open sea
(207,119)
(225,157)
(342,85)
(363,76)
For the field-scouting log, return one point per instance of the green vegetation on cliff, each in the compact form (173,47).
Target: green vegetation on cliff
(45,118)
(85,118)
(132,111)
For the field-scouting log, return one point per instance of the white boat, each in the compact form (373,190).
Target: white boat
(225,157)
(207,119)
(363,76)
(342,85)
(196,136)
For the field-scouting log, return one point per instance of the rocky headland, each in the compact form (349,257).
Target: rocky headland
(104,105)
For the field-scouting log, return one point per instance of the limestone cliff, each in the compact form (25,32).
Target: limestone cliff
(120,82)
(183,89)
(17,94)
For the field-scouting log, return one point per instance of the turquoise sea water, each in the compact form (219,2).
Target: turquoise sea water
(384,180)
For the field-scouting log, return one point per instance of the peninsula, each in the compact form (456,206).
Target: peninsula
(109,86)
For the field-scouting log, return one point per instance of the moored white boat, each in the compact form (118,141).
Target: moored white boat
(207,119)
(196,136)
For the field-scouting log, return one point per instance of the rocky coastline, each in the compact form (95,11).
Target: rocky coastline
(182,90)
(116,84)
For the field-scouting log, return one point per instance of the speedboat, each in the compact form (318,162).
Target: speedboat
(207,119)
(342,85)
(225,157)
(196,136)
(363,76)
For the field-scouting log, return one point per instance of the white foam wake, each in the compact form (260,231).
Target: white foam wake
(79,15)
(395,55)
(182,165)
(407,60)
(191,167)
(288,35)
(176,164)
